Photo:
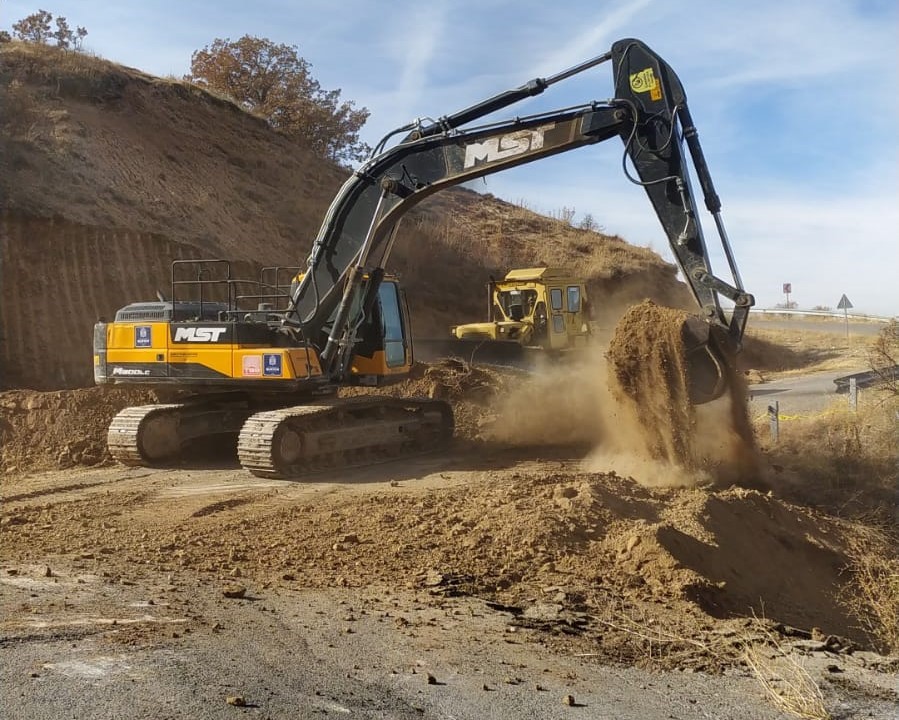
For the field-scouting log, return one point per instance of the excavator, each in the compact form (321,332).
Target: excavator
(265,359)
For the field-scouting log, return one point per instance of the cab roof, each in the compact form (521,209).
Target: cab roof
(545,273)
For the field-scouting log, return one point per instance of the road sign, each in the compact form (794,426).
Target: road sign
(788,288)
(844,303)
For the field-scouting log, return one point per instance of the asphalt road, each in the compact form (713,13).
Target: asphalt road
(92,648)
(801,395)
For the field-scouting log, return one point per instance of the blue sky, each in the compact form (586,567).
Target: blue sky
(795,102)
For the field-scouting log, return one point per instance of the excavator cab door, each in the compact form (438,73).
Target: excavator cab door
(383,351)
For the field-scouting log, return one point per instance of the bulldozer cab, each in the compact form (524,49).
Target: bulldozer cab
(551,300)
(517,304)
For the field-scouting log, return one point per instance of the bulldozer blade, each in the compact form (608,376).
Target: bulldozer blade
(709,360)
(478,352)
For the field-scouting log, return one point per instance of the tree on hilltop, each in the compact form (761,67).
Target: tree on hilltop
(36,29)
(274,82)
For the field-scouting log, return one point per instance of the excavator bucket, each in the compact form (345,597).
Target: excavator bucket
(707,360)
(657,348)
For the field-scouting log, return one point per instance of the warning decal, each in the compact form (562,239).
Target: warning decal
(252,365)
(646,81)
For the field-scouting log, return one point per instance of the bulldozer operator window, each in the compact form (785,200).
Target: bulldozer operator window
(517,304)
(555,299)
(574,298)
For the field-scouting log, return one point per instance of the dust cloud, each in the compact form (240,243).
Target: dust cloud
(629,401)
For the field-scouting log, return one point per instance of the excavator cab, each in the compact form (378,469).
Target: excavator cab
(383,349)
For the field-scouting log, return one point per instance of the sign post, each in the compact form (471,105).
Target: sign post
(844,305)
(774,421)
(788,288)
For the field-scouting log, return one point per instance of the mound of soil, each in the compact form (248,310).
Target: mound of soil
(49,430)
(565,551)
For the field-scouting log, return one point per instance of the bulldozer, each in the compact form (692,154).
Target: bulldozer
(532,314)
(533,307)
(264,358)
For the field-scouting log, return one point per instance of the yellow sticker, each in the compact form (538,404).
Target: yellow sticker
(646,81)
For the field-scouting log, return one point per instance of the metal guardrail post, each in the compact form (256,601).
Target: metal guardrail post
(774,421)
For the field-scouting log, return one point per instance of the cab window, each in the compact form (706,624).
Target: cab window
(574,298)
(555,299)
(392,325)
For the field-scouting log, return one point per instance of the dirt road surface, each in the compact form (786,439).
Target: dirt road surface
(164,593)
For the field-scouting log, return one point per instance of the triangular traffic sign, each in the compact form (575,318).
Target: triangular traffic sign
(844,303)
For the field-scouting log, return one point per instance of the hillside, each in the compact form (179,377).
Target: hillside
(108,174)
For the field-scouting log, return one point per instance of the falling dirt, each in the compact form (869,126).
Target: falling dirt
(655,419)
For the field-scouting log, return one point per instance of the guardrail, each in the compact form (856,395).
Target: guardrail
(871,378)
(822,313)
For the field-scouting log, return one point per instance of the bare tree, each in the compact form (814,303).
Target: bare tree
(36,29)
(589,223)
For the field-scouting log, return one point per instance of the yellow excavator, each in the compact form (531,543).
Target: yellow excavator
(264,359)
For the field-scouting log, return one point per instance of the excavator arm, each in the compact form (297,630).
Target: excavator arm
(648,112)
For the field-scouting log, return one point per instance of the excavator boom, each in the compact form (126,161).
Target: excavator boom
(648,112)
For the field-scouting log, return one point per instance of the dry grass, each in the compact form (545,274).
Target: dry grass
(781,353)
(873,593)
(787,684)
(841,461)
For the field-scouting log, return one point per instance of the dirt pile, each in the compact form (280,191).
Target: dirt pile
(49,430)
(576,552)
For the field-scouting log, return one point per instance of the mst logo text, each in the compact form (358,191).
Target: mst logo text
(199,334)
(505,146)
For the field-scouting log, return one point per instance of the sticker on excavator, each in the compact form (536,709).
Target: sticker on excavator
(252,365)
(272,365)
(500,148)
(646,81)
(143,336)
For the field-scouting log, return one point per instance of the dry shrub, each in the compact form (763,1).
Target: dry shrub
(788,685)
(842,461)
(873,593)
(884,358)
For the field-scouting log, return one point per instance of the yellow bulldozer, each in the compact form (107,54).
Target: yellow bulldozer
(533,307)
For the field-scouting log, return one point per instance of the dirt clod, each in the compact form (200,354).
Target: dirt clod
(234,591)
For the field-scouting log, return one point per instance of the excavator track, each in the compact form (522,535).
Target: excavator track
(348,432)
(149,435)
(144,435)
